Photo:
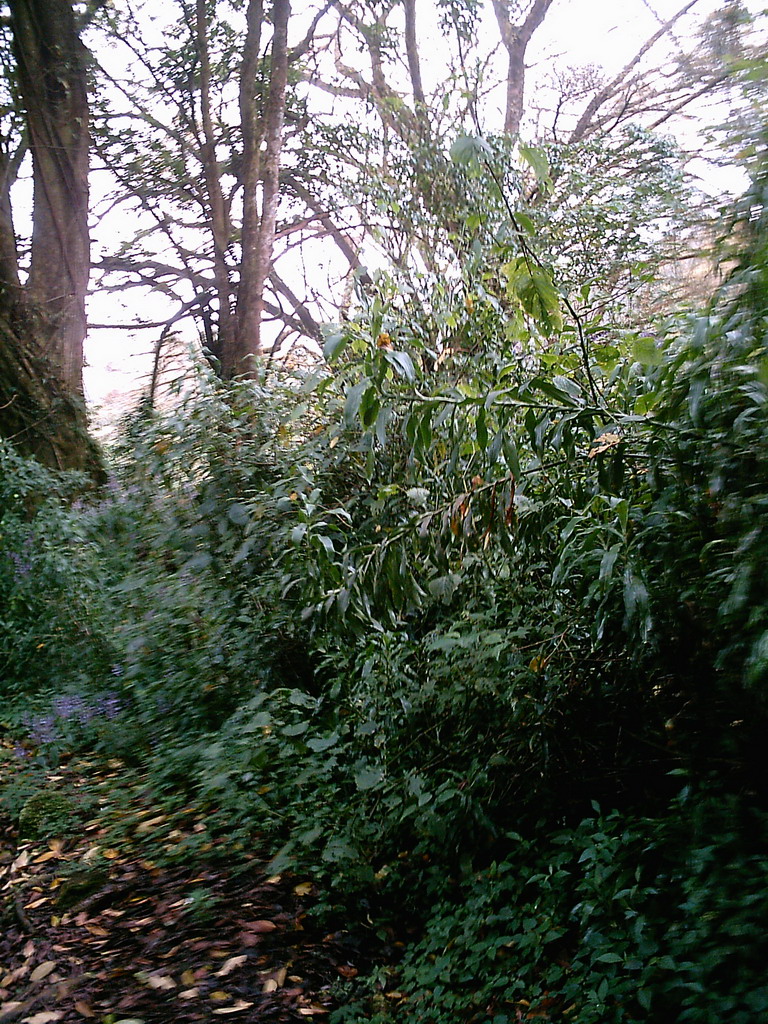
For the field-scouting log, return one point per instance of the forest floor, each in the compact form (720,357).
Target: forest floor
(137,915)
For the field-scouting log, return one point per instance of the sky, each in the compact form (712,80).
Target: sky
(606,33)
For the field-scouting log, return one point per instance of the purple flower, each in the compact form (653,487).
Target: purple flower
(21,566)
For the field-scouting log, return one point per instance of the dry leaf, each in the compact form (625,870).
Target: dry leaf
(239,1006)
(42,970)
(21,861)
(303,888)
(220,996)
(96,929)
(189,993)
(312,1011)
(161,982)
(45,1017)
(84,1009)
(111,854)
(37,903)
(270,985)
(188,978)
(48,855)
(230,965)
(260,927)
(273,880)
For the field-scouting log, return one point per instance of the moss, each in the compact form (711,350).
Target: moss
(46,815)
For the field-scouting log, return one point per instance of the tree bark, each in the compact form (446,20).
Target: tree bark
(516,39)
(259,225)
(51,69)
(216,207)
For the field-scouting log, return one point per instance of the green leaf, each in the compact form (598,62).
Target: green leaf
(469,149)
(402,363)
(353,400)
(645,351)
(609,958)
(323,743)
(238,514)
(368,777)
(333,345)
(538,161)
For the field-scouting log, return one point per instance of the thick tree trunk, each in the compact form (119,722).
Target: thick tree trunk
(51,68)
(39,415)
(42,320)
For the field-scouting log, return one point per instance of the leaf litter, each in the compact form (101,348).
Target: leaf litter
(149,943)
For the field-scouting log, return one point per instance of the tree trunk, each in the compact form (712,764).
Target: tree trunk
(51,70)
(516,39)
(259,225)
(42,320)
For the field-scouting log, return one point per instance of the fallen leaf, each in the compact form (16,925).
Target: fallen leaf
(347,972)
(111,854)
(274,880)
(230,965)
(260,927)
(42,970)
(270,985)
(303,888)
(37,903)
(48,855)
(188,978)
(220,996)
(239,1006)
(146,826)
(45,1017)
(161,982)
(84,1009)
(312,1011)
(189,993)
(96,929)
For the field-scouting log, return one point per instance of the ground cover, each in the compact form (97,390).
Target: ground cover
(138,931)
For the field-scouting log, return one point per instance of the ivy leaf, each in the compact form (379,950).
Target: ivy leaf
(368,777)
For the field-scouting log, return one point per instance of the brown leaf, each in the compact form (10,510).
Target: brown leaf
(303,888)
(238,1007)
(45,1017)
(188,978)
(42,970)
(189,993)
(260,927)
(220,996)
(84,1009)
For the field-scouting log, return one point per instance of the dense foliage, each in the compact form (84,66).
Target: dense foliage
(470,621)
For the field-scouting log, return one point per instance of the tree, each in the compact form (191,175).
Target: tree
(42,319)
(208,169)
